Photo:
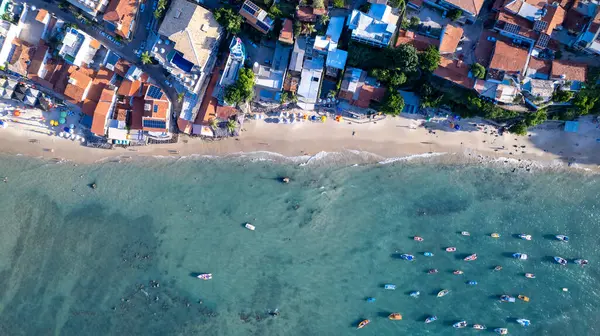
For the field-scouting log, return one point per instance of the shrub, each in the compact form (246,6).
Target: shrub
(478,71)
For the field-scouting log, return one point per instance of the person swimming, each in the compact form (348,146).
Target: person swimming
(274,313)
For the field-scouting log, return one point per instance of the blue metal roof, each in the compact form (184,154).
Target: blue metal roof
(337,59)
(572,126)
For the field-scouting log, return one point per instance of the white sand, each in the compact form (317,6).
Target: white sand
(391,138)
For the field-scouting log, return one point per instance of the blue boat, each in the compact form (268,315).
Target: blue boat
(472,283)
(562,238)
(415,294)
(521,256)
(524,322)
(408,257)
(371,299)
(560,260)
(431,319)
(428,254)
(390,286)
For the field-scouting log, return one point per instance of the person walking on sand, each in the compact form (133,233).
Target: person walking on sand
(353,132)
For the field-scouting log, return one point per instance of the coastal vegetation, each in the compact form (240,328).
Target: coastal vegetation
(393,103)
(429,59)
(242,91)
(231,21)
(478,70)
(160,9)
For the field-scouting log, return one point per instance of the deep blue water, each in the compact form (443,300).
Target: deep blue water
(78,261)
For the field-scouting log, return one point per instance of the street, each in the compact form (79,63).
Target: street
(126,50)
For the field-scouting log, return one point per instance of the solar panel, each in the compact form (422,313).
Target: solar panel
(155,123)
(543,40)
(249,9)
(263,26)
(540,25)
(154,92)
(511,28)
(155,108)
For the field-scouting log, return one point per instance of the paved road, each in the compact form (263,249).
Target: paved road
(127,49)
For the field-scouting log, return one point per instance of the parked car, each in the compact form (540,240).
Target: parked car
(168,83)
(149,25)
(491,39)
(154,5)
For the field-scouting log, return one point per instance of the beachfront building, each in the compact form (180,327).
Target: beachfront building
(120,17)
(90,7)
(9,30)
(508,63)
(455,71)
(77,47)
(35,25)
(570,76)
(269,79)
(188,42)
(256,17)
(292,78)
(235,61)
(310,83)
(157,112)
(329,42)
(374,28)
(103,111)
(360,90)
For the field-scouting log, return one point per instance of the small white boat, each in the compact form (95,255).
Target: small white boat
(521,256)
(530,275)
(524,322)
(560,260)
(525,236)
(471,257)
(479,326)
(443,292)
(562,238)
(507,298)
(465,233)
(460,325)
(450,249)
(390,287)
(581,262)
(250,226)
(431,319)
(501,331)
(205,276)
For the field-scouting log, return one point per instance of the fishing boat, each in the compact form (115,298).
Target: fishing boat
(205,276)
(562,238)
(415,294)
(389,286)
(459,325)
(507,298)
(428,254)
(530,275)
(363,324)
(443,292)
(395,316)
(472,282)
(370,299)
(495,235)
(250,227)
(498,268)
(525,236)
(431,319)
(501,331)
(471,257)
(560,260)
(523,298)
(408,257)
(432,271)
(465,233)
(450,249)
(457,272)
(479,326)
(524,322)
(581,262)
(521,256)
(419,239)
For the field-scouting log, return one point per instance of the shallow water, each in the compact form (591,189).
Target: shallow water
(78,261)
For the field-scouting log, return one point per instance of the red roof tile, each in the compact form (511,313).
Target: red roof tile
(450,38)
(121,13)
(455,71)
(129,88)
(305,14)
(420,42)
(554,17)
(569,70)
(101,112)
(287,32)
(540,65)
(100,82)
(368,94)
(508,58)
(78,83)
(471,6)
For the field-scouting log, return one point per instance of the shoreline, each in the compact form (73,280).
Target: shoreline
(391,140)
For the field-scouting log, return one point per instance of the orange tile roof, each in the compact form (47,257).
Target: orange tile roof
(287,32)
(121,67)
(41,15)
(76,87)
(471,6)
(37,60)
(516,20)
(569,70)
(23,52)
(137,113)
(158,109)
(508,58)
(129,88)
(540,65)
(554,17)
(121,13)
(455,71)
(367,94)
(88,107)
(450,38)
(100,82)
(101,111)
(420,42)
(121,113)
(305,14)
(95,44)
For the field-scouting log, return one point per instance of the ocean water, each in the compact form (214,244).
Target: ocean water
(120,259)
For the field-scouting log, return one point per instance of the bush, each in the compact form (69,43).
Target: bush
(585,100)
(536,118)
(339,3)
(231,21)
(393,103)
(455,14)
(562,96)
(242,90)
(519,128)
(414,21)
(478,71)
(429,59)
(318,4)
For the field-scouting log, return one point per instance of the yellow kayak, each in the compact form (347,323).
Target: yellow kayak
(395,316)
(524,298)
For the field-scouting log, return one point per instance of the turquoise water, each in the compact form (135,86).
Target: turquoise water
(78,261)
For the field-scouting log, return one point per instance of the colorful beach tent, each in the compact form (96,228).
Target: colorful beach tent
(62,121)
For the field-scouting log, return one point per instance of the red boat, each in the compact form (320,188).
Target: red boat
(419,239)
(450,249)
(471,257)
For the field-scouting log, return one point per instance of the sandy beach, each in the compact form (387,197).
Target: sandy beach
(393,137)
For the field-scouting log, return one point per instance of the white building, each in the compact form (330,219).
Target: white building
(375,28)
(77,47)
(310,83)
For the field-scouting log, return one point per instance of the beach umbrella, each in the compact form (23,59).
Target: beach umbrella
(62,121)
(17,113)
(305,117)
(313,118)
(61,134)
(72,126)
(457,127)
(323,118)
(82,140)
(66,129)
(63,114)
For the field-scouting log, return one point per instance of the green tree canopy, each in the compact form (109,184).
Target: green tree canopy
(455,14)
(429,59)
(519,128)
(585,100)
(562,96)
(393,102)
(318,4)
(231,21)
(339,3)
(478,70)
(404,58)
(242,90)
(145,57)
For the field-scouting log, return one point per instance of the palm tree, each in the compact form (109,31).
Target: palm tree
(214,123)
(231,125)
(146,59)
(308,29)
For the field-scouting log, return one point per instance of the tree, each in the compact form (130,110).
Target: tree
(585,100)
(339,3)
(536,118)
(180,96)
(405,58)
(318,4)
(308,29)
(393,103)
(429,59)
(242,90)
(455,14)
(214,123)
(562,96)
(284,98)
(478,70)
(324,19)
(396,3)
(229,19)
(519,128)
(297,28)
(268,2)
(231,126)
(396,79)
(365,8)
(414,21)
(145,57)
(275,11)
